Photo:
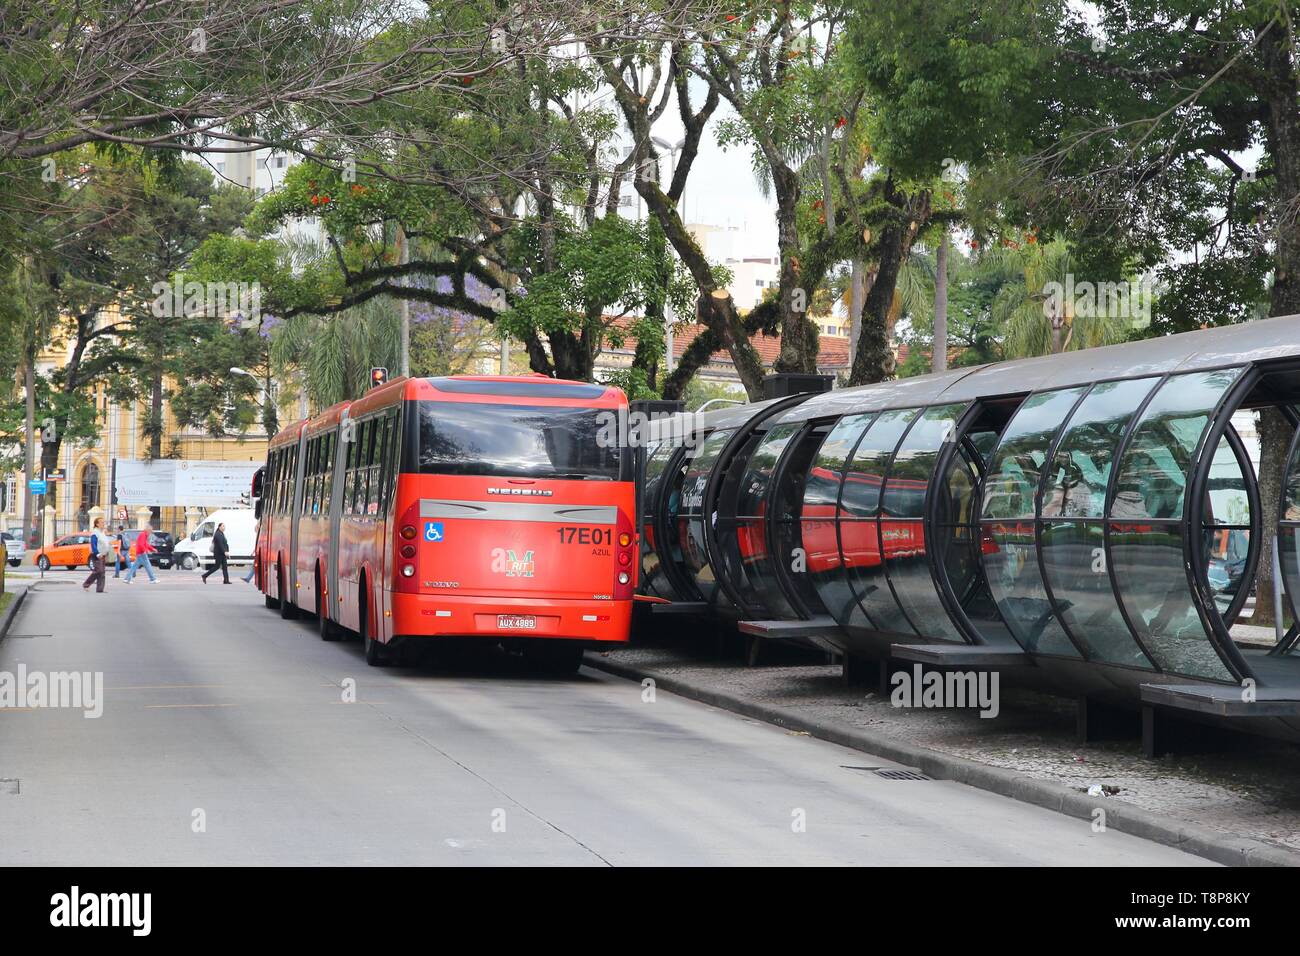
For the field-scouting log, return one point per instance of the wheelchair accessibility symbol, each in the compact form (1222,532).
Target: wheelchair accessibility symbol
(433,531)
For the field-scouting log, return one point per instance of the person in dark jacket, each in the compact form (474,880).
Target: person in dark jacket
(219,551)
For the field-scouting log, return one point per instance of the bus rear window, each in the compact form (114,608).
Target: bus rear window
(460,438)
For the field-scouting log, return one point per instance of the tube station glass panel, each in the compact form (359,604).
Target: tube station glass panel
(1080,471)
(821,494)
(1011,488)
(690,523)
(902,521)
(1227,526)
(785,506)
(859,532)
(1146,534)
(658,455)
(1074,557)
(1009,546)
(742,532)
(958,537)
(1074,552)
(1288,533)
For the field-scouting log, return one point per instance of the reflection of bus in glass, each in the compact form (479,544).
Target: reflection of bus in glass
(465,506)
(861,542)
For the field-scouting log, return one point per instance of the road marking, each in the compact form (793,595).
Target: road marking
(161,686)
(163,706)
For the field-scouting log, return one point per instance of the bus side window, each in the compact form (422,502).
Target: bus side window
(381,437)
(357,437)
(348,453)
(328,472)
(390,479)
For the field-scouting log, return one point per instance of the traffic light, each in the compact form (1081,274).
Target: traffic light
(378,376)
(48,433)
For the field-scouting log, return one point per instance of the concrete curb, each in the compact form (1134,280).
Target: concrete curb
(12,610)
(1194,839)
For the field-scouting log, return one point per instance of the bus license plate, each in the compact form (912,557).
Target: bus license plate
(517,622)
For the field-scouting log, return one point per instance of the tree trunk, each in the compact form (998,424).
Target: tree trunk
(798,336)
(1275,434)
(156,416)
(939,361)
(857,293)
(718,313)
(873,361)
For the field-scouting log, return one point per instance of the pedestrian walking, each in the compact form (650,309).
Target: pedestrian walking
(219,551)
(143,548)
(123,552)
(101,545)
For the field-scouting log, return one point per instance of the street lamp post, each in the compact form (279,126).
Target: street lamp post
(673,150)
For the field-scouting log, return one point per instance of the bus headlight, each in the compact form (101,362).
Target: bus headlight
(624,558)
(408,550)
(407,532)
(408,570)
(624,539)
(623,577)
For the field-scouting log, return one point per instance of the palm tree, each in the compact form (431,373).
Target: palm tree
(332,354)
(1035,317)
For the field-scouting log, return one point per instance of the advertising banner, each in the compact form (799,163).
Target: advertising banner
(167,482)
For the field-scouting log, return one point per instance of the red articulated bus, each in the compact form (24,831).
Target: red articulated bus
(466,506)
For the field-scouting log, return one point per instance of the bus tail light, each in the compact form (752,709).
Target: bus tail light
(624,582)
(406,552)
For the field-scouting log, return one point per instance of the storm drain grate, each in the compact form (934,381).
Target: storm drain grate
(9,785)
(902,775)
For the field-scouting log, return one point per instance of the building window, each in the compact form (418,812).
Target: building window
(758,283)
(89,486)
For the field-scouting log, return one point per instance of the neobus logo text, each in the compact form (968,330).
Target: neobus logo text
(624,429)
(535,492)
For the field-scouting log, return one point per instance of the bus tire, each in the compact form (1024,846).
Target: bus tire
(329,631)
(376,653)
(271,602)
(288,611)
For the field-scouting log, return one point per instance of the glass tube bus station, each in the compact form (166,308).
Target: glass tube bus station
(1089,523)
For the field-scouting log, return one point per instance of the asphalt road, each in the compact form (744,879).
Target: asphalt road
(225,738)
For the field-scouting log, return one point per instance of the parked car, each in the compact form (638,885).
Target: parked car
(71,551)
(162,541)
(15,550)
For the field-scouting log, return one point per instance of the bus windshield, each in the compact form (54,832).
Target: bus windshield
(462,438)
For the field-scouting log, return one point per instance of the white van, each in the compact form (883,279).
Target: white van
(241,535)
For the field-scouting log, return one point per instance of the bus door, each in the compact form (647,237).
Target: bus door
(337,445)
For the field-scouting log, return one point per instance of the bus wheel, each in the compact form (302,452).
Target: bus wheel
(329,631)
(287,609)
(556,657)
(376,653)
